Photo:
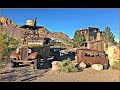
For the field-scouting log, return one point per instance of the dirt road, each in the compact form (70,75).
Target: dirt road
(25,74)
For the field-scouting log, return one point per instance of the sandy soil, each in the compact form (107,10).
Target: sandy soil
(25,74)
(87,75)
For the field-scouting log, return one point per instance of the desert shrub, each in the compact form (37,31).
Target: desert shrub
(116,65)
(6,43)
(2,45)
(68,66)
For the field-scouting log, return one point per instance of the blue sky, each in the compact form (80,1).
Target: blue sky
(67,20)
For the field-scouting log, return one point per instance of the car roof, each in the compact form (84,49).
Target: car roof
(88,50)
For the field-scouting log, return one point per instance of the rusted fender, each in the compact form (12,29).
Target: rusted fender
(32,55)
(14,55)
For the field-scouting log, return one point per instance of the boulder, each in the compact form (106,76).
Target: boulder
(97,67)
(113,54)
(56,65)
(82,65)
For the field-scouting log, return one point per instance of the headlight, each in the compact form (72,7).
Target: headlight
(17,50)
(29,50)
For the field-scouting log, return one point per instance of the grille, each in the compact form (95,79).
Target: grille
(23,53)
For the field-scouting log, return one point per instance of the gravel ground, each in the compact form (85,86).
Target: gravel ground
(25,74)
(87,75)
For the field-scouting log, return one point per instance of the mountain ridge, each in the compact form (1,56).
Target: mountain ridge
(10,27)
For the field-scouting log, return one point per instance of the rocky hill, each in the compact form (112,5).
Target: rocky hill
(14,30)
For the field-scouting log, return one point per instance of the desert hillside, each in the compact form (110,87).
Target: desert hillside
(14,30)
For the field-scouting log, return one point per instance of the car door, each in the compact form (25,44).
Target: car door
(89,57)
(98,58)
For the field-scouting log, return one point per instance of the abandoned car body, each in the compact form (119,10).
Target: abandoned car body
(91,57)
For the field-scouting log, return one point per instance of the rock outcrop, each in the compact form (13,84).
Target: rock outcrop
(6,22)
(113,54)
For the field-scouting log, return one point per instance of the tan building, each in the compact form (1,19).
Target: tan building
(90,33)
(93,38)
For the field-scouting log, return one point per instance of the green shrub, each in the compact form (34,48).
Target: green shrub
(116,65)
(68,66)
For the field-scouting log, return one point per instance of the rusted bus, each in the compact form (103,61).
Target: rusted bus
(92,57)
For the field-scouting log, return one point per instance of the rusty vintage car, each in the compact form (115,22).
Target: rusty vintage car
(92,57)
(36,49)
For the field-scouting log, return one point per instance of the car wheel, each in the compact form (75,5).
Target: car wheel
(57,56)
(105,66)
(17,64)
(13,64)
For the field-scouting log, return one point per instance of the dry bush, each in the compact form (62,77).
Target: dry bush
(68,66)
(116,65)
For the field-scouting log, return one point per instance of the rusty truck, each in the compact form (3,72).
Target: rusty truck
(36,50)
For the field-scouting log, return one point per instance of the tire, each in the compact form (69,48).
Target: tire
(57,56)
(13,64)
(17,64)
(105,66)
(37,62)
